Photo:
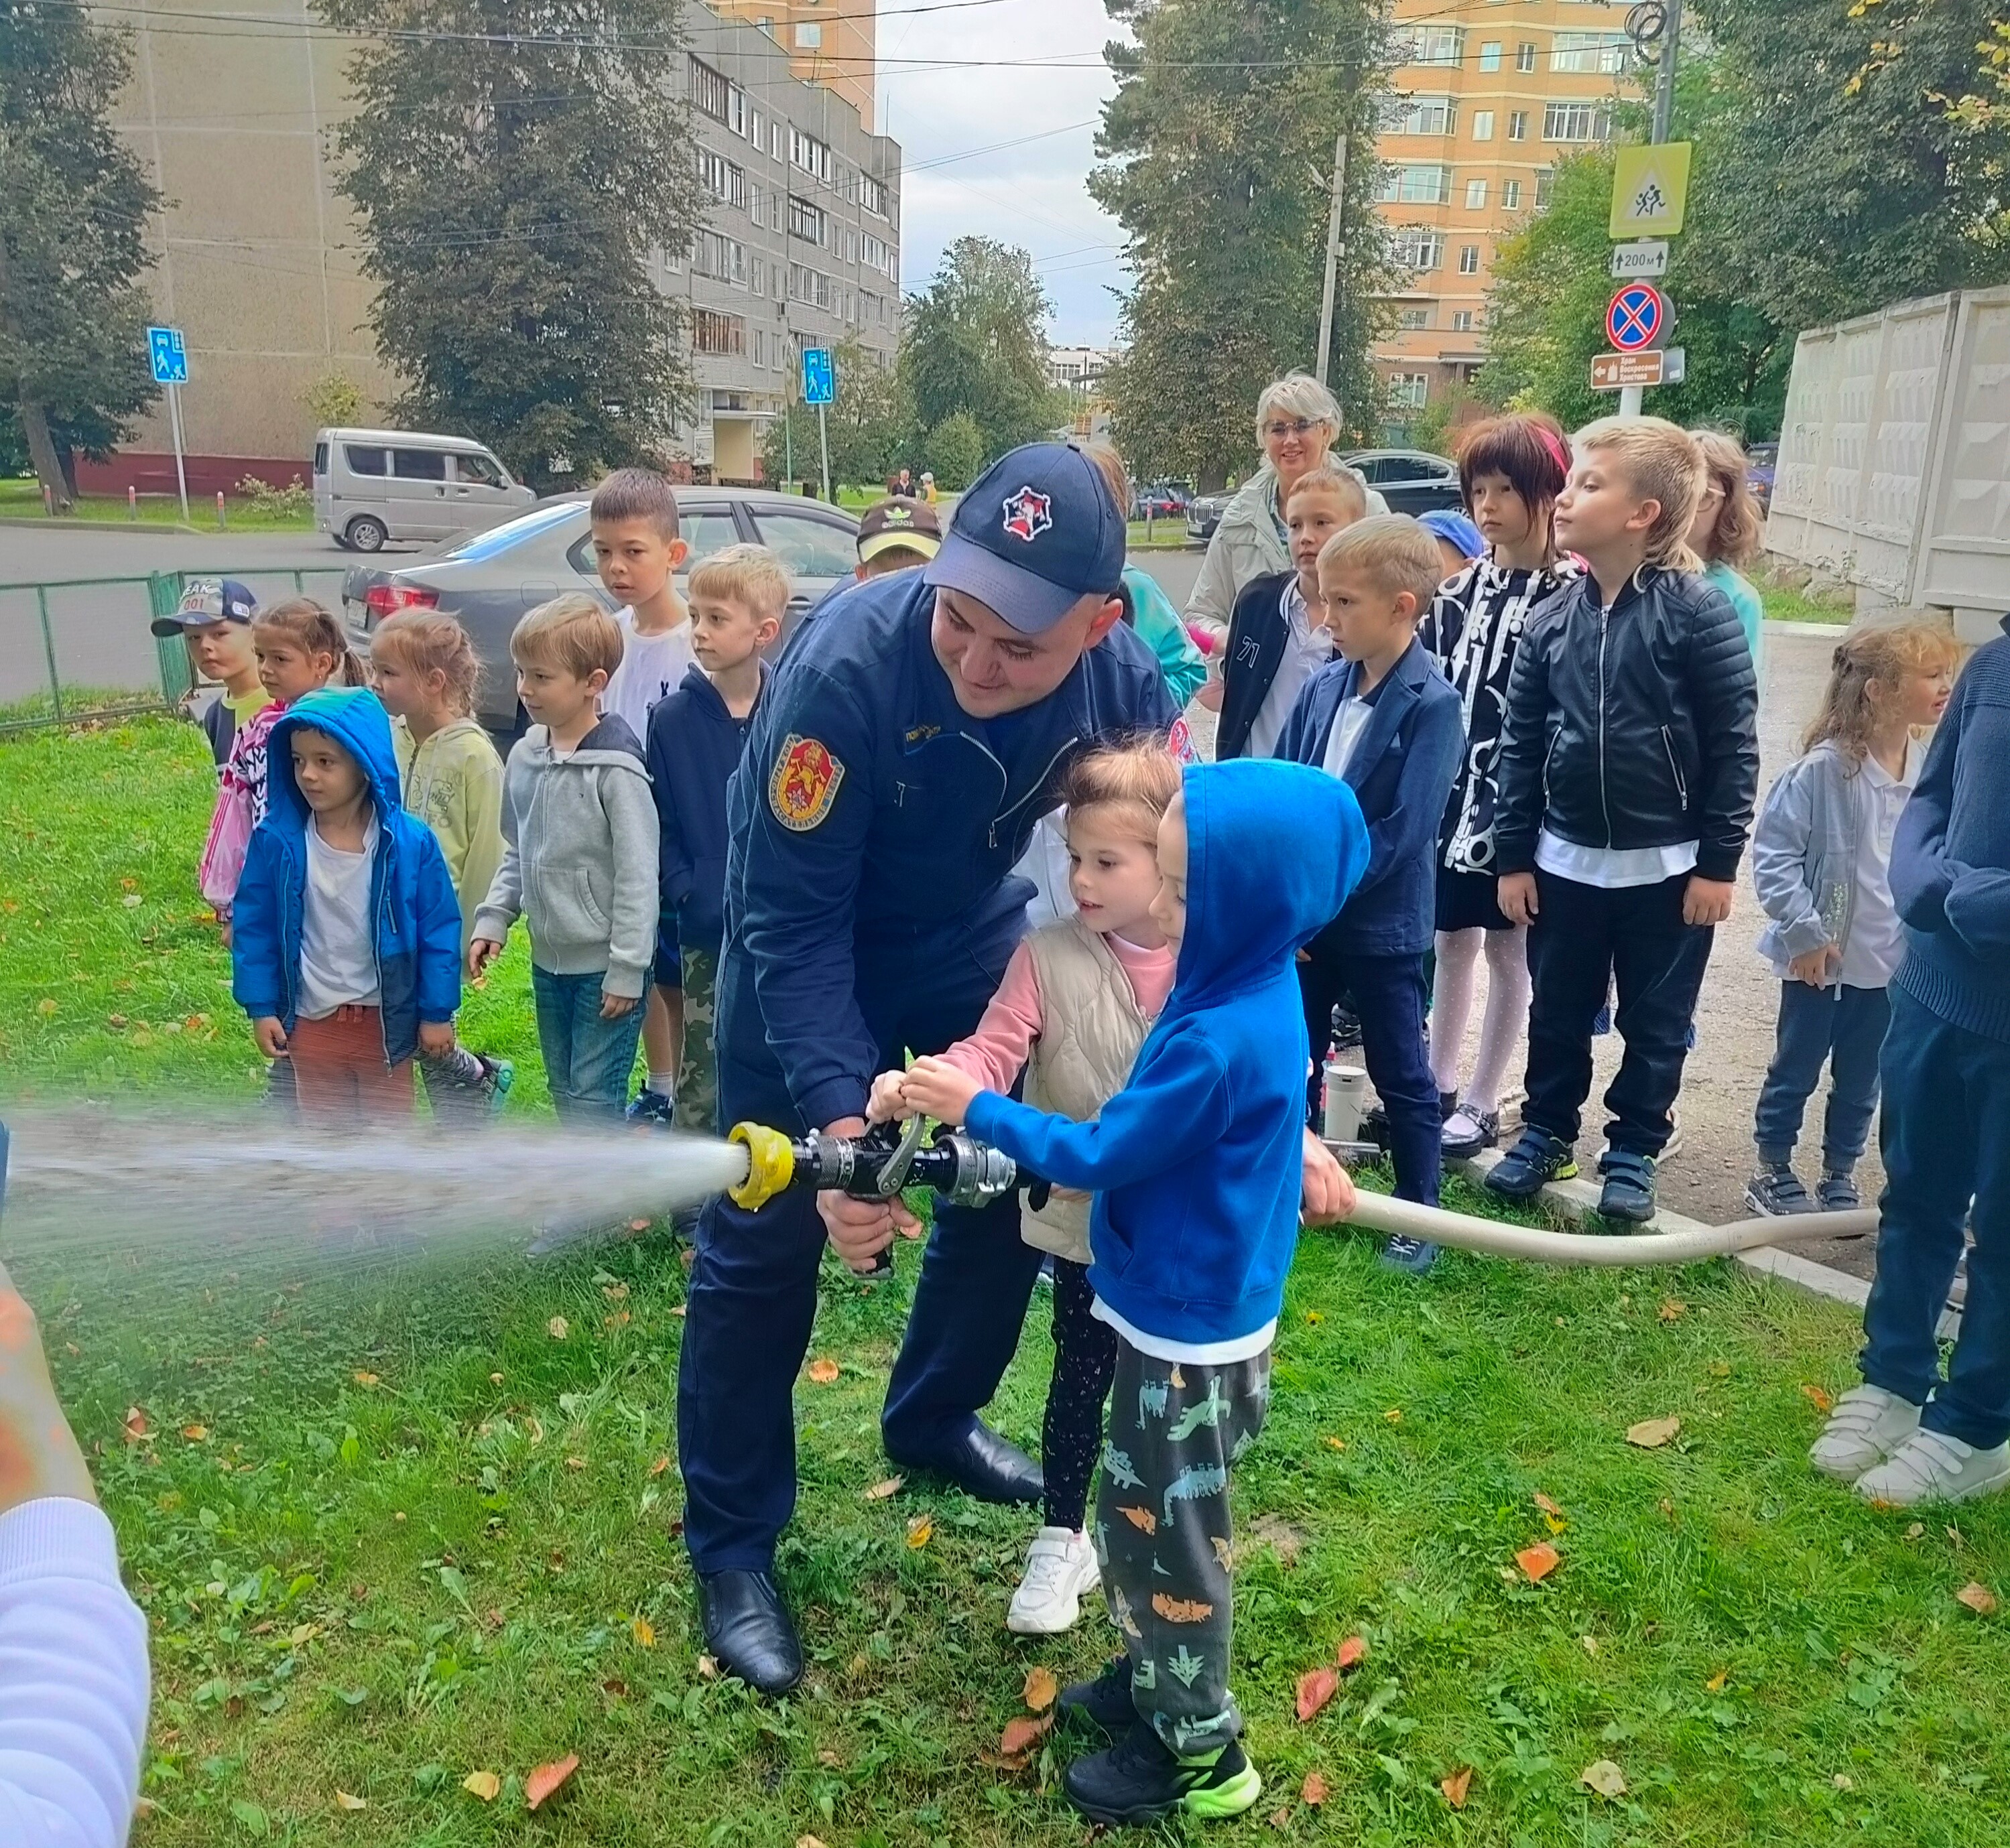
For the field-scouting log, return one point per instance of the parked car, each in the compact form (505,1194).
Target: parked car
(1159,500)
(1411,480)
(490,579)
(1760,462)
(374,485)
(1204,513)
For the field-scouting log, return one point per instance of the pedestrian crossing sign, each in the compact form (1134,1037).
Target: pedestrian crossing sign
(1651,190)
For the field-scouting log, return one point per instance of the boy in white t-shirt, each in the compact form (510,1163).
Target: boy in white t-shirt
(637,548)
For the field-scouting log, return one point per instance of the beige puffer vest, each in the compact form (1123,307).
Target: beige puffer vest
(1091,1028)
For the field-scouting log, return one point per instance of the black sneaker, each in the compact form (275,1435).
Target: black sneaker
(1139,1780)
(651,1107)
(1467,1131)
(1628,1192)
(1775,1191)
(1104,1702)
(1836,1191)
(1536,1159)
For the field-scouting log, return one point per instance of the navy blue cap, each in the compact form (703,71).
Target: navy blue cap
(1035,533)
(207,600)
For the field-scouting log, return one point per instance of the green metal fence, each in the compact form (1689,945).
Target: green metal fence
(80,649)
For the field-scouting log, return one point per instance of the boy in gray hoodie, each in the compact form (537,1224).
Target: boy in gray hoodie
(579,831)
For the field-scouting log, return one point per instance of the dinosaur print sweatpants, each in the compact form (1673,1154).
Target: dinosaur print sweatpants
(1164,1537)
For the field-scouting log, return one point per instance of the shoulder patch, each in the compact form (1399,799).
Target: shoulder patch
(803,783)
(1179,741)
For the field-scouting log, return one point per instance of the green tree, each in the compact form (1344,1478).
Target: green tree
(1217,157)
(514,162)
(74,204)
(871,423)
(956,451)
(974,340)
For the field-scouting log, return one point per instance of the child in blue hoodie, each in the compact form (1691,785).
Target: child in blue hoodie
(1196,1168)
(345,945)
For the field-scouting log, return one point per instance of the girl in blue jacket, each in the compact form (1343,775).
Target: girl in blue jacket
(346,944)
(1196,1168)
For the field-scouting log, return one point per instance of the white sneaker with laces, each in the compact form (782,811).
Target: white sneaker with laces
(1867,1426)
(1932,1467)
(1060,1567)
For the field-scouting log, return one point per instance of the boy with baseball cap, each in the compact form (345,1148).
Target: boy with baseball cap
(214,618)
(896,535)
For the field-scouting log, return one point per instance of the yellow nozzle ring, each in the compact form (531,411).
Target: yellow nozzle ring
(771,1165)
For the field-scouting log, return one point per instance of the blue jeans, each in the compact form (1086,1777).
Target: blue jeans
(1947,1164)
(586,1059)
(1843,1028)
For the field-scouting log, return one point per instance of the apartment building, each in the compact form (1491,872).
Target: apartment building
(1489,95)
(259,259)
(829,42)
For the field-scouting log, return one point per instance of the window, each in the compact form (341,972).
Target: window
(807,152)
(1417,186)
(483,471)
(1525,57)
(364,461)
(705,530)
(875,253)
(1518,125)
(1475,195)
(720,178)
(1510,194)
(809,38)
(714,255)
(1490,55)
(1483,125)
(1413,318)
(808,546)
(754,127)
(1589,52)
(1441,45)
(710,93)
(419,465)
(811,285)
(806,221)
(715,333)
(872,195)
(1410,391)
(1419,116)
(1468,260)
(1461,321)
(736,112)
(1416,248)
(757,276)
(1573,122)
(1544,180)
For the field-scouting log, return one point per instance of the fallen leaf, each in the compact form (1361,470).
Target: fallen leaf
(1954,1534)
(534,1429)
(644,1632)
(638,1225)
(344,1801)
(45,1007)
(575,1462)
(131,901)
(1547,1506)
(1315,1688)
(615,1685)
(1717,1683)
(808,1842)
(1281,1818)
(657,1467)
(1352,1651)
(1843,1782)
(615,1292)
(1672,1311)
(1276,1536)
(1313,1789)
(1603,1776)
(619,1320)
(558,1327)
(1979,1598)
(1537,1562)
(547,1778)
(1823,1402)
(484,1784)
(301,1634)
(880,1491)
(1394,1414)
(1720,1370)
(707,1666)
(822,1371)
(196,1434)
(1590,1644)
(137,1425)
(1040,1690)
(1651,1434)
(1916,1530)
(920,1529)
(1455,1786)
(1022,1734)
(495,1379)
(365,1379)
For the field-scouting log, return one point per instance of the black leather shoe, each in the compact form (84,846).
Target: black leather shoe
(747,1628)
(983,1464)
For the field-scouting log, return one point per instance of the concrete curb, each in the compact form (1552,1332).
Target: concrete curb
(1776,625)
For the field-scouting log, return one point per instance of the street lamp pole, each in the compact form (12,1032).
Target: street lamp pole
(1336,244)
(1632,398)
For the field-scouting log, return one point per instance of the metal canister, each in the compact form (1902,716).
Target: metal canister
(1346,1089)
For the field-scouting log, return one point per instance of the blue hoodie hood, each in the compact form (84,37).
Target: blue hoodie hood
(1196,1164)
(355,718)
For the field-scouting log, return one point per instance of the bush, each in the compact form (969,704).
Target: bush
(956,453)
(293,501)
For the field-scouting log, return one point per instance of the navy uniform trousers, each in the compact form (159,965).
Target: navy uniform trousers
(752,1295)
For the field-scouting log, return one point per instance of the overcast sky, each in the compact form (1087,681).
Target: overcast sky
(1034,194)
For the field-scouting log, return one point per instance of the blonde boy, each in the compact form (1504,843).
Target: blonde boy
(579,835)
(696,736)
(1629,762)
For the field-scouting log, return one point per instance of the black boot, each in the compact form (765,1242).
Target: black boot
(747,1628)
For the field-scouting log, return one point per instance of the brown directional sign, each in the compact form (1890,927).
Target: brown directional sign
(1612,371)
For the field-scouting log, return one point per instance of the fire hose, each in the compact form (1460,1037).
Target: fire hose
(879,1164)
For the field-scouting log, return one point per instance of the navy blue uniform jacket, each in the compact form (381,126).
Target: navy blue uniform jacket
(1401,773)
(693,748)
(871,815)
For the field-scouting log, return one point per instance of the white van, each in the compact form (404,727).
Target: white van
(372,485)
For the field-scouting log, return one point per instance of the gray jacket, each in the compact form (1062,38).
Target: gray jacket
(1247,544)
(579,837)
(1804,856)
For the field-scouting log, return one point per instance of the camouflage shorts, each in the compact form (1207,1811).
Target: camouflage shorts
(697,1070)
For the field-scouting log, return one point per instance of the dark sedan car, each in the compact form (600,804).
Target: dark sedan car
(490,579)
(1411,480)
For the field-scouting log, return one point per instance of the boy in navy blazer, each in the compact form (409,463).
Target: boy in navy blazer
(1382,718)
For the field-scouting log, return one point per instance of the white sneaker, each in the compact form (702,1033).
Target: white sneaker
(1673,1147)
(1867,1426)
(1932,1467)
(1060,1566)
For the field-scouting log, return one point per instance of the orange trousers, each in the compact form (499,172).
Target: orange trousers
(339,1072)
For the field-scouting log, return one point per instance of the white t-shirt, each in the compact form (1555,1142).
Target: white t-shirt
(337,954)
(1307,649)
(1877,939)
(1348,723)
(1613,869)
(652,665)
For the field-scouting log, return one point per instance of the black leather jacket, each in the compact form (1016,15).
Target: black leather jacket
(1632,727)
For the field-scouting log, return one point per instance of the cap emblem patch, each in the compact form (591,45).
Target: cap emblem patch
(1028,513)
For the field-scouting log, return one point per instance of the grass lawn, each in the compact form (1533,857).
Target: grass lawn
(391,1529)
(1784,604)
(23,500)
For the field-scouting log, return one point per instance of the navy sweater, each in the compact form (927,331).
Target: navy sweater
(693,748)
(1950,857)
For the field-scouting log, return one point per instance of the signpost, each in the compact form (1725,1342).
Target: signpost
(1648,257)
(1651,190)
(169,355)
(1632,371)
(1636,318)
(1651,194)
(820,389)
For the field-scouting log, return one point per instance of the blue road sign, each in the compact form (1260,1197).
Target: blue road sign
(169,357)
(1636,316)
(819,376)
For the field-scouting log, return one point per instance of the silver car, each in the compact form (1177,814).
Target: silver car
(490,580)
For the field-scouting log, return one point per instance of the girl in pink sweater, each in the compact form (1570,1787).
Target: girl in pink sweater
(1078,999)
